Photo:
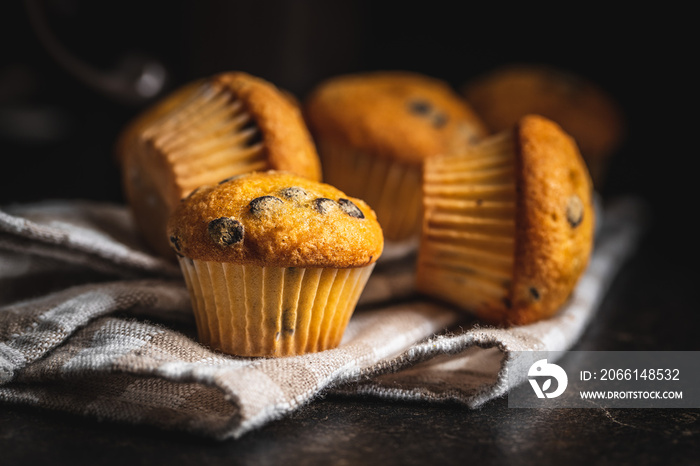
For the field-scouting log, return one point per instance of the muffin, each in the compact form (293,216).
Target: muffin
(274,262)
(584,110)
(210,129)
(509,223)
(374,130)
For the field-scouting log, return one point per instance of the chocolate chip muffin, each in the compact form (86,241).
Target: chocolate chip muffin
(508,224)
(583,109)
(210,129)
(373,132)
(274,262)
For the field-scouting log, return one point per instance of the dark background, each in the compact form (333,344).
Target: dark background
(57,133)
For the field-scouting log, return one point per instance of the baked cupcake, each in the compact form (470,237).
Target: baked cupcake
(584,110)
(374,130)
(274,262)
(508,226)
(226,125)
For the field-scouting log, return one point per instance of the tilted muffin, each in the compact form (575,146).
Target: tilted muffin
(508,224)
(584,110)
(225,125)
(373,132)
(274,262)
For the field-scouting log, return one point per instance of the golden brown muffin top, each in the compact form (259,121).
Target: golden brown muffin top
(504,95)
(394,114)
(276,219)
(554,219)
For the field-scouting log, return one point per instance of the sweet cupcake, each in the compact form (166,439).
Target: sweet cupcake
(274,262)
(226,125)
(584,110)
(508,226)
(374,130)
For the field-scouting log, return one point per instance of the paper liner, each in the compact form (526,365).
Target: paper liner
(247,310)
(206,138)
(468,241)
(391,188)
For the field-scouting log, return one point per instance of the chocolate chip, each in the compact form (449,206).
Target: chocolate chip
(225,231)
(175,241)
(347,206)
(324,205)
(439,120)
(264,204)
(507,303)
(419,107)
(534,293)
(574,211)
(294,193)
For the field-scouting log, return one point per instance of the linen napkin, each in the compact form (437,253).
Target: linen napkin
(91,323)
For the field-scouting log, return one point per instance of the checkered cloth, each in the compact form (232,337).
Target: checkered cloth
(90,323)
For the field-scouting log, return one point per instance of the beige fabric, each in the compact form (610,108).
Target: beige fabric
(92,324)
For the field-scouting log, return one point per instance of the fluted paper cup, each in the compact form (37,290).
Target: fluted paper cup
(468,239)
(249,310)
(392,188)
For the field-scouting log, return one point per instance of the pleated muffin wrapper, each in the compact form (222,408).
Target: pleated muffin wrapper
(249,310)
(467,247)
(207,137)
(392,188)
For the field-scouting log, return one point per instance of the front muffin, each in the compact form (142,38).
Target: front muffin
(210,129)
(373,132)
(274,262)
(508,226)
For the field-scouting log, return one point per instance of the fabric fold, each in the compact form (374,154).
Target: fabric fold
(119,342)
